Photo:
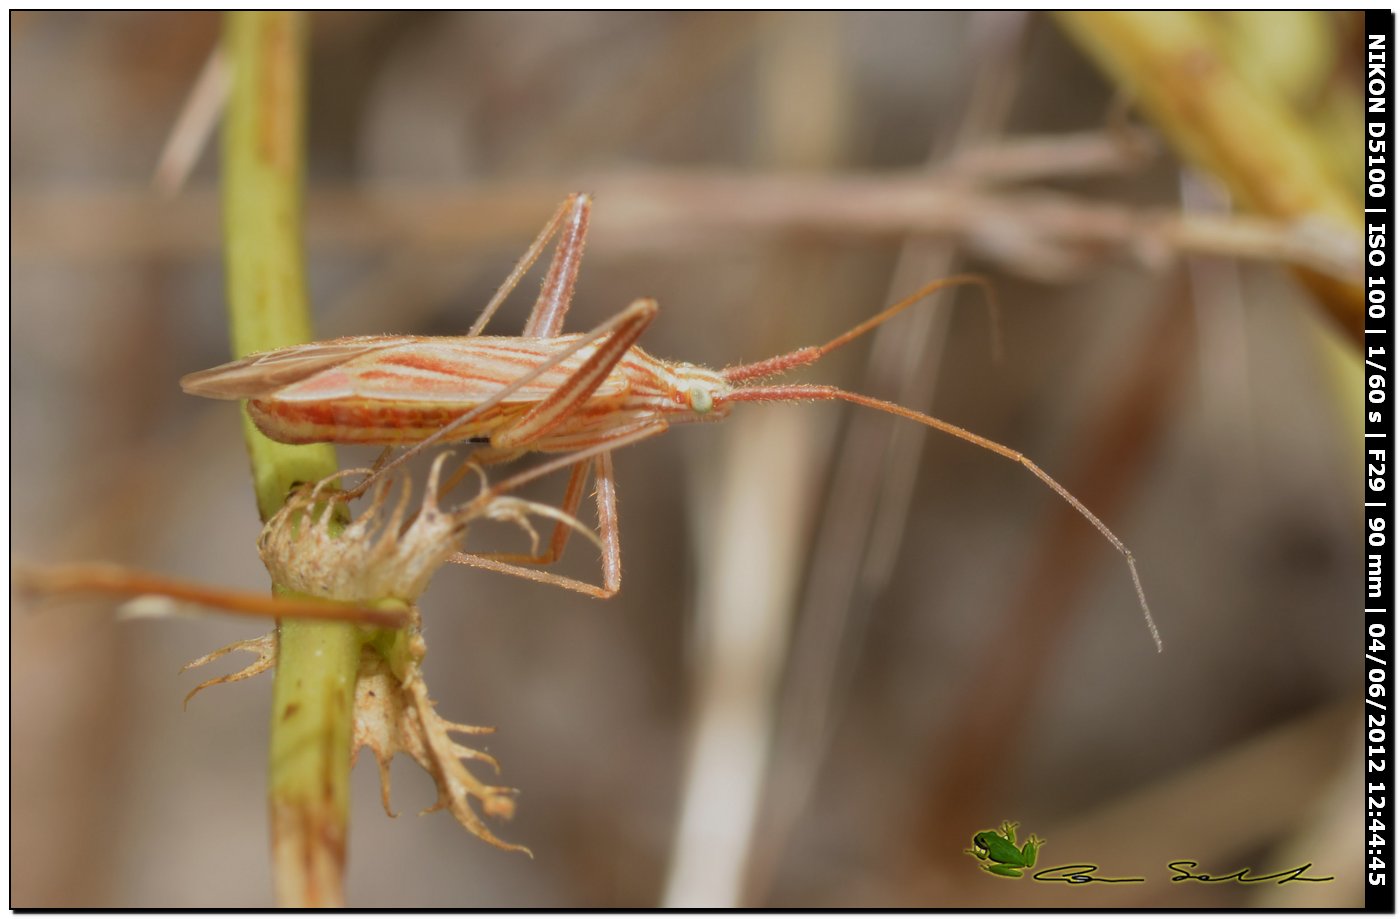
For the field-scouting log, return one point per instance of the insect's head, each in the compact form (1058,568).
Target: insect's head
(701,391)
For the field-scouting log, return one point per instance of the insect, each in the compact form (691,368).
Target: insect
(578,396)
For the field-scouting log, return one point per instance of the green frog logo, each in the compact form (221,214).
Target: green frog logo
(998,852)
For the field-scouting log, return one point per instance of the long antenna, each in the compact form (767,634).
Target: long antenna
(804,356)
(797,391)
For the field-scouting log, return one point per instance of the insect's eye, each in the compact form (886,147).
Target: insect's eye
(700,401)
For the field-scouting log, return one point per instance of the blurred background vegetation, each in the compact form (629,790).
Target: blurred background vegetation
(838,651)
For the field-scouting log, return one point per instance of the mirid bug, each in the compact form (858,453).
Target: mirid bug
(580,396)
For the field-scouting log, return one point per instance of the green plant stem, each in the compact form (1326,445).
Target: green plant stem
(313,692)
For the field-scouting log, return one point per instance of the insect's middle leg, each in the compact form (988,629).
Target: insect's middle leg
(608,531)
(573,496)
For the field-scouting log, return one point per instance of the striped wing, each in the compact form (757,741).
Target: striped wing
(449,372)
(443,371)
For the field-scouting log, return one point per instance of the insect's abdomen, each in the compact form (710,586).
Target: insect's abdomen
(370,421)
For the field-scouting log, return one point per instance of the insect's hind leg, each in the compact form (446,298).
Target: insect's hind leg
(547,317)
(572,215)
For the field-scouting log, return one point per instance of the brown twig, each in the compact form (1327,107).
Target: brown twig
(102,578)
(1039,234)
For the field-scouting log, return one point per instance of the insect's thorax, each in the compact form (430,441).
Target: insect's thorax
(680,392)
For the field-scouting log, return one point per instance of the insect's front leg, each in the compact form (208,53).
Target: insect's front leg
(479,460)
(375,474)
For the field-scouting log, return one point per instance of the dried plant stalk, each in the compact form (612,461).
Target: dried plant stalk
(1176,66)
